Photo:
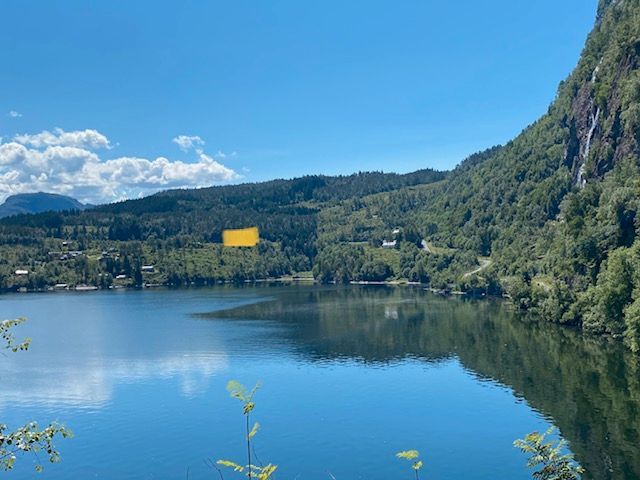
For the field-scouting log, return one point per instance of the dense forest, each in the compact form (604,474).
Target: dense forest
(550,218)
(174,237)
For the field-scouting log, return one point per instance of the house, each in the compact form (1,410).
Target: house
(22,272)
(387,244)
(121,277)
(147,268)
(396,231)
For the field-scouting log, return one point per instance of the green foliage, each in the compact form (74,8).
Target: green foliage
(412,455)
(7,337)
(611,294)
(548,458)
(557,247)
(28,438)
(632,323)
(251,471)
(521,291)
(262,472)
(239,391)
(179,232)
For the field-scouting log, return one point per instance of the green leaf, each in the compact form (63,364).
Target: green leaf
(408,454)
(230,464)
(254,430)
(237,390)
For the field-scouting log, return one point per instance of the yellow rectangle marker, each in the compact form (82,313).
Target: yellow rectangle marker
(244,237)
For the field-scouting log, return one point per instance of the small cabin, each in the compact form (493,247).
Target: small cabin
(22,272)
(387,244)
(147,268)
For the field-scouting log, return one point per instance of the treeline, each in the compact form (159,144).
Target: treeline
(178,233)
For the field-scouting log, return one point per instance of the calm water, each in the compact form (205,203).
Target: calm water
(350,376)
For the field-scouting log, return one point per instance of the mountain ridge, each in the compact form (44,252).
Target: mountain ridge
(38,202)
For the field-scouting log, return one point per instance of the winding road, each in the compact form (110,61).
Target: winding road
(484,263)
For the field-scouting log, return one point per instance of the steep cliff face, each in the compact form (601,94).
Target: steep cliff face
(603,122)
(603,5)
(592,126)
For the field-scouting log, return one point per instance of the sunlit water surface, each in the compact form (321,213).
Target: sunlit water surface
(350,376)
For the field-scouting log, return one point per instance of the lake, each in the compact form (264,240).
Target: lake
(350,376)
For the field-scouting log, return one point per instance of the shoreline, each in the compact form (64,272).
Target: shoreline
(278,280)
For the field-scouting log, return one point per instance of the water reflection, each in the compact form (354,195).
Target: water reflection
(91,385)
(151,343)
(80,355)
(591,389)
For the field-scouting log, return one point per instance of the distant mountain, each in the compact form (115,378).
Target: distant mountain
(37,203)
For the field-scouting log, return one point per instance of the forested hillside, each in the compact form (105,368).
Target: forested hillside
(556,208)
(178,233)
(551,216)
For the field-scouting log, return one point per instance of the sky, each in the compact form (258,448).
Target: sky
(114,99)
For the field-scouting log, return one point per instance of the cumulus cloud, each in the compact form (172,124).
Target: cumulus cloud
(14,114)
(187,142)
(67,163)
(77,138)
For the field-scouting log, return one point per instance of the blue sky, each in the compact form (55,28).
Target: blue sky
(273,88)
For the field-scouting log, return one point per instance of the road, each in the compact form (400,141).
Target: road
(484,263)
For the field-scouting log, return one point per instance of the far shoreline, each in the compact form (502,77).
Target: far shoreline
(284,280)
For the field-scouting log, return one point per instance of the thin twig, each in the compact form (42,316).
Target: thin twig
(37,457)
(219,472)
(255,455)
(209,463)
(249,447)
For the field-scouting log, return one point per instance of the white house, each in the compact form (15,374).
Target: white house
(387,244)
(22,272)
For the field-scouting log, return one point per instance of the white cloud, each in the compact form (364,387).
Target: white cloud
(187,142)
(66,163)
(221,154)
(14,114)
(78,138)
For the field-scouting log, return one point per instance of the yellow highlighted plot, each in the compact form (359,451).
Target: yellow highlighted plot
(244,237)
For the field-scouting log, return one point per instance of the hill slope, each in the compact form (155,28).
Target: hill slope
(179,232)
(557,207)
